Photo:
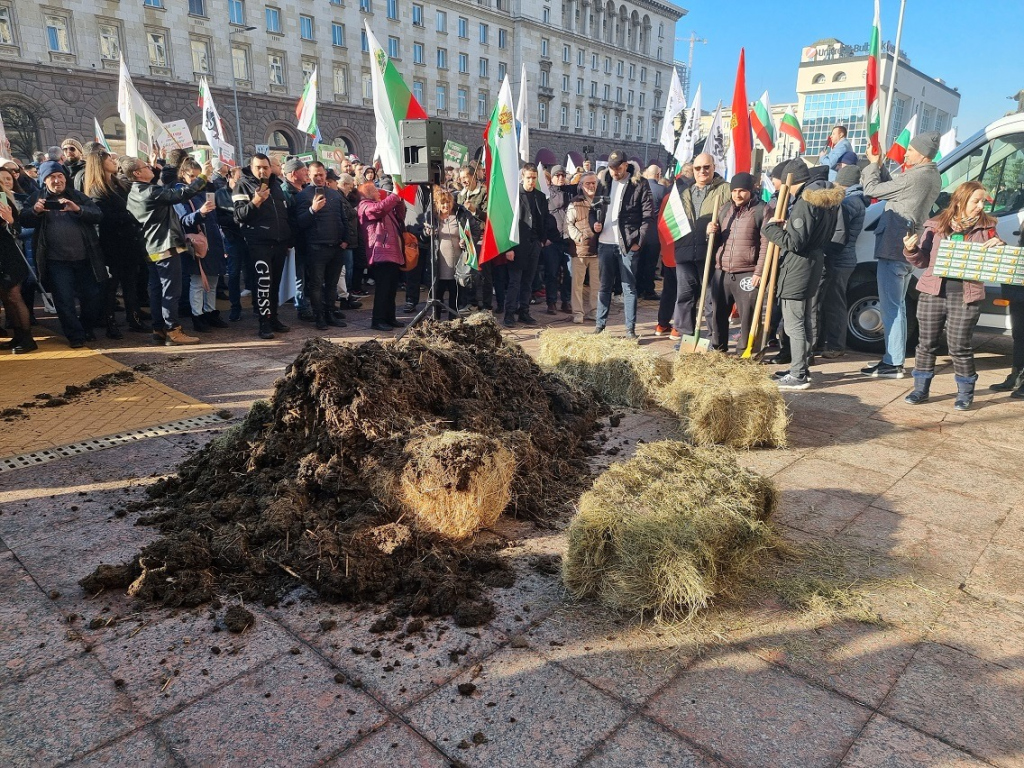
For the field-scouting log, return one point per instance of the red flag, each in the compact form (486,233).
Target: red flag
(742,147)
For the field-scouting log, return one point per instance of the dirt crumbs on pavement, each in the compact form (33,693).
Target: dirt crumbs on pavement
(285,497)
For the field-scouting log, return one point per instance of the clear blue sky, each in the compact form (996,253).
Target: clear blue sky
(974,46)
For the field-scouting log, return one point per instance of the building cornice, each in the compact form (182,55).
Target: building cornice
(858,59)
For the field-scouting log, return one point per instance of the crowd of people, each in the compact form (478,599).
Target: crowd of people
(173,235)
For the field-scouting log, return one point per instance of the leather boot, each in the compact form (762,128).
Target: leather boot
(199,324)
(964,391)
(1014,381)
(278,326)
(922,387)
(265,332)
(213,319)
(332,319)
(177,337)
(113,332)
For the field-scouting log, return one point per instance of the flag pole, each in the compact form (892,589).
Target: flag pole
(892,82)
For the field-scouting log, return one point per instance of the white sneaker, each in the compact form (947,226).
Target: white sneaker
(578,319)
(245,292)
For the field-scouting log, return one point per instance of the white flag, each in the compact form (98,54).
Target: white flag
(542,180)
(570,167)
(5,145)
(676,103)
(687,145)
(212,126)
(714,145)
(523,118)
(947,143)
(142,128)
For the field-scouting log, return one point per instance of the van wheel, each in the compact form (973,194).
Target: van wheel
(864,315)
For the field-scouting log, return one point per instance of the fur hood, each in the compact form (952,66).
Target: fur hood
(823,194)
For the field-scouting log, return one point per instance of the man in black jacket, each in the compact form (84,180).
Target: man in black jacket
(296,179)
(322,222)
(626,216)
(536,229)
(555,257)
(262,212)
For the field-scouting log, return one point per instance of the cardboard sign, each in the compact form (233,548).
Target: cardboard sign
(455,154)
(1002,264)
(331,156)
(262,149)
(181,137)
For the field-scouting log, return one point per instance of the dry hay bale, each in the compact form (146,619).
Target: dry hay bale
(453,483)
(621,371)
(724,400)
(660,534)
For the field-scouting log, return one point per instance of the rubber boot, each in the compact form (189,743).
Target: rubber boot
(964,391)
(1014,381)
(922,387)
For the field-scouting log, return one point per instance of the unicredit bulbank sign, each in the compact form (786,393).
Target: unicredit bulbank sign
(835,51)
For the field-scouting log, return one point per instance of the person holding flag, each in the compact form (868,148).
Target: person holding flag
(450,229)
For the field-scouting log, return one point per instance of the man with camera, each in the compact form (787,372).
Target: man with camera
(323,224)
(67,251)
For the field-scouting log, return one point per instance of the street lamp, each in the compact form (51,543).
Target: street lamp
(234,93)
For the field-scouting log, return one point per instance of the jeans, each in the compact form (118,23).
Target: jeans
(165,292)
(238,261)
(202,301)
(346,263)
(610,257)
(521,272)
(893,281)
(796,314)
(68,280)
(829,313)
(556,272)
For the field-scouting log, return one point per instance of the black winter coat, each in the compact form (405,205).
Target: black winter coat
(266,223)
(88,219)
(329,225)
(120,233)
(636,211)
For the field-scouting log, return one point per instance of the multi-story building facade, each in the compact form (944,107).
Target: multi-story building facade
(597,72)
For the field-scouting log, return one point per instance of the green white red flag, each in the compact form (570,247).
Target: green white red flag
(305,110)
(673,223)
(501,155)
(947,143)
(466,237)
(872,93)
(767,188)
(741,146)
(100,138)
(762,124)
(790,126)
(898,151)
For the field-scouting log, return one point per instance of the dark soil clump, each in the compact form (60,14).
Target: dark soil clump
(237,619)
(286,496)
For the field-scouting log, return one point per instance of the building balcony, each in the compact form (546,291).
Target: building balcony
(620,106)
(546,92)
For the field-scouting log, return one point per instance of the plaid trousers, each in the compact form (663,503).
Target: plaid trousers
(959,319)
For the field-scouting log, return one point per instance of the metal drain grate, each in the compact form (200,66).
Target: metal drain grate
(110,441)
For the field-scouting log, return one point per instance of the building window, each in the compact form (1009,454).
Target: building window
(484,33)
(201,56)
(341,81)
(818,80)
(364,41)
(579,86)
(503,38)
(463,101)
(628,125)
(616,125)
(306,28)
(839,77)
(579,118)
(484,68)
(590,120)
(660,53)
(544,78)
(481,105)
(543,46)
(632,71)
(642,99)
(368,86)
(110,40)
(564,114)
(308,67)
(240,63)
(607,65)
(941,121)
(417,53)
(442,98)
(607,92)
(593,89)
(442,58)
(393,47)
(643,74)
(393,9)
(275,63)
(273,20)
(442,21)
(546,15)
(657,79)
(196,8)
(417,15)
(502,69)
(581,58)
(604,122)
(365,6)
(618,68)
(338,34)
(58,38)
(823,111)
(7,29)
(639,127)
(463,27)
(236,12)
(927,115)
(593,61)
(334,2)
(566,54)
(565,83)
(464,63)
(629,99)
(543,111)
(153,3)
(417,90)
(157,43)
(618,94)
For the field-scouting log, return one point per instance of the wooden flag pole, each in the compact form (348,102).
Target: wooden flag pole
(757,328)
(770,298)
(695,342)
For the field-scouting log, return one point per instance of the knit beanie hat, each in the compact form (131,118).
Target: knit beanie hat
(797,167)
(293,165)
(49,168)
(848,175)
(926,143)
(742,181)
(779,171)
(78,145)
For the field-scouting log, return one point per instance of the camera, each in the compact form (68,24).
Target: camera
(53,205)
(600,204)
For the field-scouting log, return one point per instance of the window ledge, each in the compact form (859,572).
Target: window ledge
(59,57)
(275,34)
(9,49)
(276,88)
(111,64)
(156,71)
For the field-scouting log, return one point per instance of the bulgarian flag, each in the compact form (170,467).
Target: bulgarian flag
(673,224)
(305,110)
(100,138)
(872,93)
(767,187)
(501,154)
(947,143)
(466,237)
(790,126)
(393,102)
(762,124)
(741,147)
(898,151)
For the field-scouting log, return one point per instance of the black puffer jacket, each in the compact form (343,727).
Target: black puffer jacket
(266,223)
(636,211)
(328,226)
(558,201)
(811,224)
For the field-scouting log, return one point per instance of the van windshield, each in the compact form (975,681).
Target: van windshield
(999,165)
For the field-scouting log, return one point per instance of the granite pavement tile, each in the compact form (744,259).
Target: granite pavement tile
(964,701)
(523,711)
(807,439)
(887,459)
(949,509)
(641,743)
(880,432)
(396,744)
(770,462)
(884,743)
(821,419)
(144,747)
(289,711)
(1000,641)
(999,572)
(837,479)
(748,712)
(61,712)
(1011,532)
(996,457)
(991,485)
(817,511)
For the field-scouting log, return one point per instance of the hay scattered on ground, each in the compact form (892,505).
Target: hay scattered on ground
(723,400)
(661,534)
(619,370)
(288,497)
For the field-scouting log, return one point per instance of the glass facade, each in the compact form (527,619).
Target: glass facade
(823,111)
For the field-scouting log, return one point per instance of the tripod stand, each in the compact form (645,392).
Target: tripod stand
(433,303)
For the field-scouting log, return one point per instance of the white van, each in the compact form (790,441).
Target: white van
(995,157)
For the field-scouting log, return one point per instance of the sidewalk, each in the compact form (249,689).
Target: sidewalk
(924,502)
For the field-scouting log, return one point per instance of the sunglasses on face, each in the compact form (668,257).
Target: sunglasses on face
(702,167)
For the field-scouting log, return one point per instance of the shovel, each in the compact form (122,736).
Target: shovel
(695,343)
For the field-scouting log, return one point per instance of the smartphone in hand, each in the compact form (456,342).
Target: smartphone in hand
(211,197)
(53,205)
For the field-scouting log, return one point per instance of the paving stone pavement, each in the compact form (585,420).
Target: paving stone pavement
(930,500)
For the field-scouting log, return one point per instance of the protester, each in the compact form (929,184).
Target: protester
(650,253)
(296,179)
(73,157)
(1014,382)
(67,251)
(346,184)
(738,262)
(536,229)
(262,212)
(359,263)
(836,149)
(801,239)
(198,217)
(473,197)
(946,304)
(554,257)
(451,219)
(323,224)
(381,230)
(13,270)
(580,218)
(909,197)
